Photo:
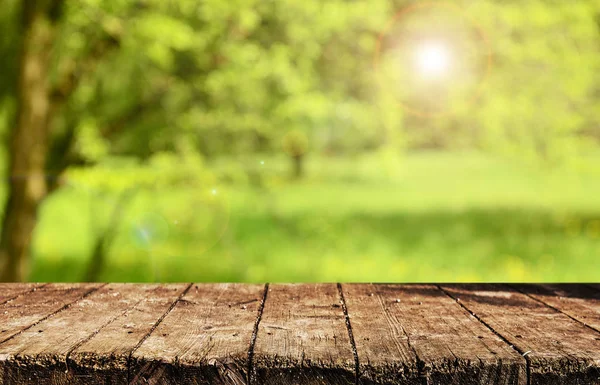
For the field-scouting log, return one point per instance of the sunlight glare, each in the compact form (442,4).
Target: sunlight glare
(433,59)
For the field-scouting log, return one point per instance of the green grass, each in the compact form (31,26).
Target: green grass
(429,217)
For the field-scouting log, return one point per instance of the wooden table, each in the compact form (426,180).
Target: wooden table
(299,334)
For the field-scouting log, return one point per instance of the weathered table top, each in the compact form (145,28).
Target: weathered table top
(299,334)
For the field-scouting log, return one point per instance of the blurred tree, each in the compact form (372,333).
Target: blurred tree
(295,145)
(540,101)
(285,74)
(93,80)
(29,139)
(38,151)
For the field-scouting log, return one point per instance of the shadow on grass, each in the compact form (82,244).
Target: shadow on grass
(438,237)
(509,230)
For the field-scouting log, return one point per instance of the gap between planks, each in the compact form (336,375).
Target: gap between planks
(22,293)
(420,362)
(153,328)
(250,352)
(350,334)
(513,287)
(66,306)
(503,338)
(94,333)
(251,379)
(145,337)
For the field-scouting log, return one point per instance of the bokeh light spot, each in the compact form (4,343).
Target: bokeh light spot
(433,59)
(150,228)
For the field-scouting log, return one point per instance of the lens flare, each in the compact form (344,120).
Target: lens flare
(433,59)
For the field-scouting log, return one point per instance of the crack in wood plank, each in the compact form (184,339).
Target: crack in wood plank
(438,339)
(390,321)
(251,376)
(95,333)
(454,348)
(559,349)
(312,344)
(26,289)
(350,333)
(204,339)
(535,298)
(55,312)
(152,329)
(503,338)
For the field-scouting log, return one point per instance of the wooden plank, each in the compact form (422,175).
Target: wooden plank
(577,301)
(559,350)
(403,334)
(203,340)
(302,337)
(105,357)
(40,354)
(25,311)
(415,334)
(384,352)
(10,291)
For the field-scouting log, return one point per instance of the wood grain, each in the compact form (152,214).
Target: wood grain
(299,334)
(204,340)
(41,354)
(26,310)
(105,357)
(560,350)
(10,291)
(577,301)
(302,337)
(415,334)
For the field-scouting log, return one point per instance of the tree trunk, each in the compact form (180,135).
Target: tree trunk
(29,137)
(298,166)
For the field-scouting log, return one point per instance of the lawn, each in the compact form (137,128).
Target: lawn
(426,217)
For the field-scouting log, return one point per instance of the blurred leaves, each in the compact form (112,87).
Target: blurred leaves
(156,93)
(235,77)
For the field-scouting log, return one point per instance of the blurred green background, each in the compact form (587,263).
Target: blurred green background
(300,140)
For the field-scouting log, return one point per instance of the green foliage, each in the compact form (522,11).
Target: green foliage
(162,171)
(237,77)
(173,99)
(542,93)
